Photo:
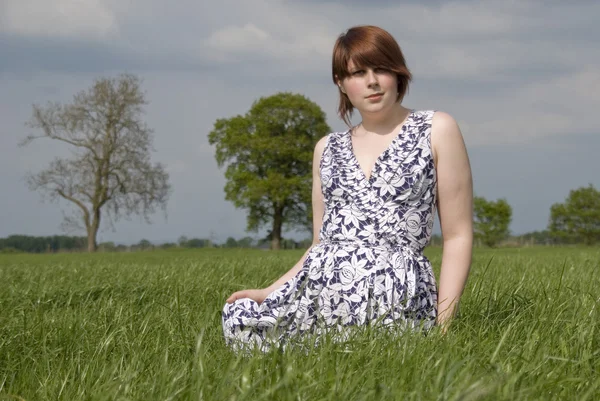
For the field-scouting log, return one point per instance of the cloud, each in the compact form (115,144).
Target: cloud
(238,38)
(286,44)
(487,63)
(540,110)
(23,55)
(562,91)
(459,39)
(555,107)
(58,18)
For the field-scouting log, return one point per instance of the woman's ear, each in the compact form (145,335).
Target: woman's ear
(339,84)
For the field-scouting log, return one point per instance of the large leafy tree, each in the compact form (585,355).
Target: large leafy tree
(109,172)
(492,220)
(578,218)
(268,153)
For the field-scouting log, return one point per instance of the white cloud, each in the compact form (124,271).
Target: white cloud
(459,44)
(238,38)
(458,19)
(58,18)
(581,86)
(285,44)
(556,107)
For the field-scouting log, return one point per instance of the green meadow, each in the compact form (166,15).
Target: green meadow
(147,326)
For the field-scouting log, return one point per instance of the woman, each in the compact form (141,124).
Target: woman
(375,190)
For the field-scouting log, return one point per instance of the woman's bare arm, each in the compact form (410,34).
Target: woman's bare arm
(455,208)
(318,207)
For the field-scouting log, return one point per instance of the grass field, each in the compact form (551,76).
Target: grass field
(147,326)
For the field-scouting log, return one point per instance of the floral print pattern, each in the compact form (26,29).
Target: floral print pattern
(368,267)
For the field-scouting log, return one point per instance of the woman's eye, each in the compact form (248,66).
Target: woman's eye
(359,72)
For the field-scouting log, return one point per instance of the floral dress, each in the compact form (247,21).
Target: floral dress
(368,267)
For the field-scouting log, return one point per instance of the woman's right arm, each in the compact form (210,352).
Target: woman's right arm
(318,208)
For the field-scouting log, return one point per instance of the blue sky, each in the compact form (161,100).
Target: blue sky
(521,79)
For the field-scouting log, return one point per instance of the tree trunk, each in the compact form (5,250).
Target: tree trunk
(276,232)
(92,230)
(92,246)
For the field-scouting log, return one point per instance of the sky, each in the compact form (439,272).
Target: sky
(520,77)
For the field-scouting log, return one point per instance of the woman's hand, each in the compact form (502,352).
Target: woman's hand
(443,324)
(256,295)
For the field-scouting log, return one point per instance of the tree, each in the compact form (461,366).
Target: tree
(144,244)
(108,246)
(492,220)
(182,241)
(268,153)
(198,243)
(536,238)
(246,242)
(578,218)
(289,243)
(230,242)
(109,173)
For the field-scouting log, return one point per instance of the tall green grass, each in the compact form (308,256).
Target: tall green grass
(147,326)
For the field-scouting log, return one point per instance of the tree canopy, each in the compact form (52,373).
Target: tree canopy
(577,219)
(492,220)
(268,153)
(109,173)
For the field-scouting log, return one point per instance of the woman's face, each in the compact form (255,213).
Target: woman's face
(370,90)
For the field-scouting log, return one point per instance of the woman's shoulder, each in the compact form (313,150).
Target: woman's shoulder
(434,116)
(445,132)
(442,119)
(443,125)
(322,143)
(439,121)
(333,139)
(334,136)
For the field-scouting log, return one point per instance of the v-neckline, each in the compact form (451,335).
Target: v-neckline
(378,160)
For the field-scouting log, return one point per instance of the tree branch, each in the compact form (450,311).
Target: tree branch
(76,201)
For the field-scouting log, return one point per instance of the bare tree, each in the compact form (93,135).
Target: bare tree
(109,173)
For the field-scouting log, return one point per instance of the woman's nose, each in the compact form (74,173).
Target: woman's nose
(371,77)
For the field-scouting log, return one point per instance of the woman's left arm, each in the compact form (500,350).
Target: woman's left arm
(455,209)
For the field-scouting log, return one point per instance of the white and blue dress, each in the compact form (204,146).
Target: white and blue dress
(368,267)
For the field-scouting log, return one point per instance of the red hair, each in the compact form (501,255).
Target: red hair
(367,46)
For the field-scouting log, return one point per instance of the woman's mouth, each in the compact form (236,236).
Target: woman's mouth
(375,96)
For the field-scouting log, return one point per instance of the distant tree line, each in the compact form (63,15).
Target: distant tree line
(50,244)
(55,243)
(575,221)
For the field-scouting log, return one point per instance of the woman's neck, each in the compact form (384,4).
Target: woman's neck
(384,121)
